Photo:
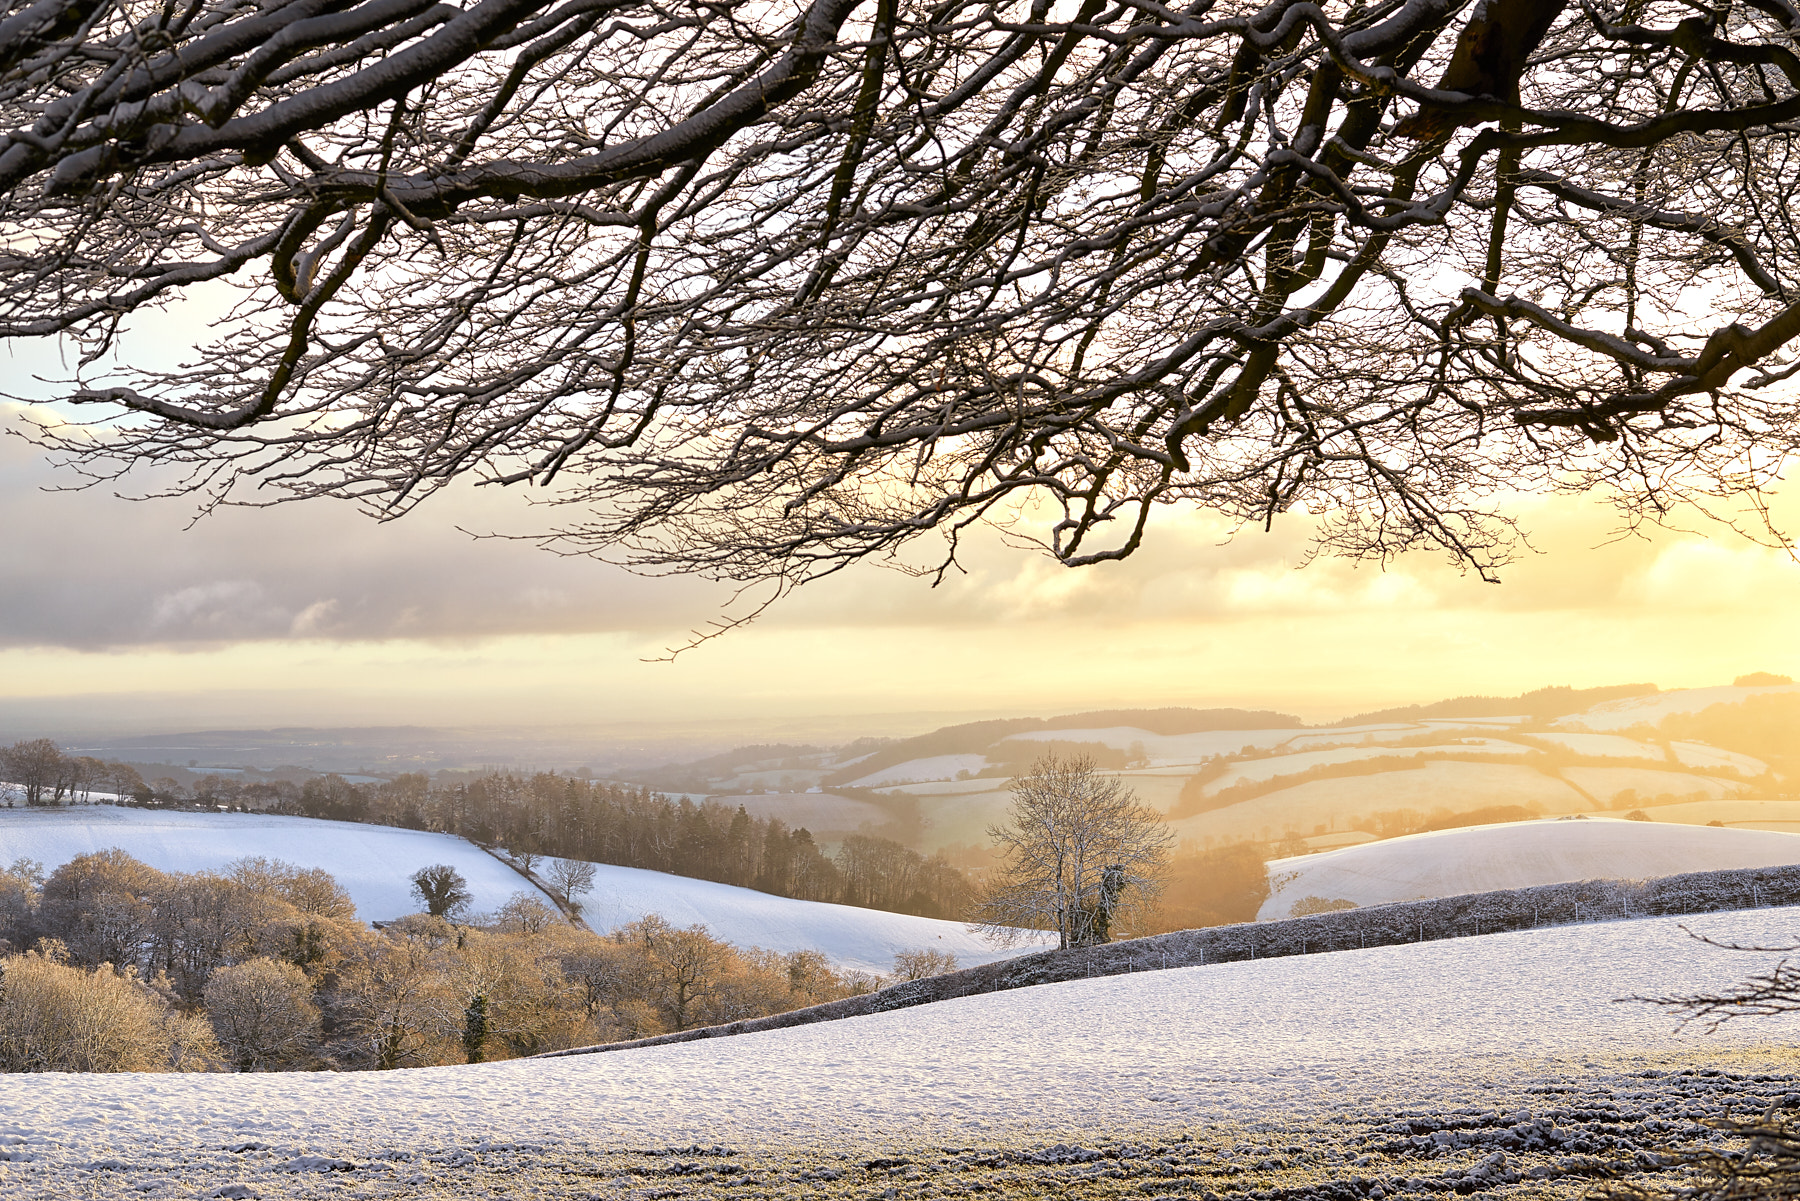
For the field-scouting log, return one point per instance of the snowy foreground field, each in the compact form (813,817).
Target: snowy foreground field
(1497,1065)
(375,864)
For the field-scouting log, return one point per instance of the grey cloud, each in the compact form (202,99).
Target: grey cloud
(88,570)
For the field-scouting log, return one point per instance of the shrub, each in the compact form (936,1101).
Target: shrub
(923,962)
(1310,905)
(58,1018)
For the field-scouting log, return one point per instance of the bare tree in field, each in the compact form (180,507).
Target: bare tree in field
(1079,851)
(759,290)
(569,878)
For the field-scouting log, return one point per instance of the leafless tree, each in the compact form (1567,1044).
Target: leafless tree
(524,913)
(765,289)
(921,962)
(1079,850)
(569,878)
(263,1015)
(39,768)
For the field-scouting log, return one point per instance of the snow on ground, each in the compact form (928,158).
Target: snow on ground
(865,939)
(1605,746)
(1394,731)
(1418,1028)
(1699,754)
(1428,787)
(1604,784)
(1620,715)
(937,767)
(1166,750)
(375,863)
(1292,765)
(1517,855)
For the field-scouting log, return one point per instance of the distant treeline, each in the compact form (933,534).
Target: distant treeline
(38,773)
(1559,700)
(551,814)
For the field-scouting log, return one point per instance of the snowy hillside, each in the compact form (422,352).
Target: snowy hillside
(1648,710)
(1517,855)
(374,863)
(1267,1045)
(865,939)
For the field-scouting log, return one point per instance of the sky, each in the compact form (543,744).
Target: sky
(121,616)
(134,617)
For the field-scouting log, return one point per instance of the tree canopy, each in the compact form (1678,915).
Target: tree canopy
(764,289)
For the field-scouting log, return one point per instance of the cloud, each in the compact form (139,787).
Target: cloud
(88,570)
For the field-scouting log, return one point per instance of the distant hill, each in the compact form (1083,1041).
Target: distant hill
(1176,720)
(1543,703)
(974,737)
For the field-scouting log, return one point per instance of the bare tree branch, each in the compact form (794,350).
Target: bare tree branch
(761,291)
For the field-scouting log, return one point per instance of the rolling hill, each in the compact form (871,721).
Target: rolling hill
(374,862)
(1516,855)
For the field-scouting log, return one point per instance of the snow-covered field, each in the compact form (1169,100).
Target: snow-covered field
(866,939)
(1603,746)
(1277,766)
(1490,1029)
(1699,754)
(1164,750)
(1648,710)
(375,862)
(1604,784)
(1425,788)
(1517,855)
(936,767)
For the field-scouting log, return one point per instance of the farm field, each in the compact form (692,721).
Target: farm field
(1620,715)
(1186,1076)
(1605,784)
(1423,787)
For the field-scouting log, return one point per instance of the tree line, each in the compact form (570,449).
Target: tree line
(551,814)
(108,964)
(37,772)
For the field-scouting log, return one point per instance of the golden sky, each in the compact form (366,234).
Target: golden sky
(117,615)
